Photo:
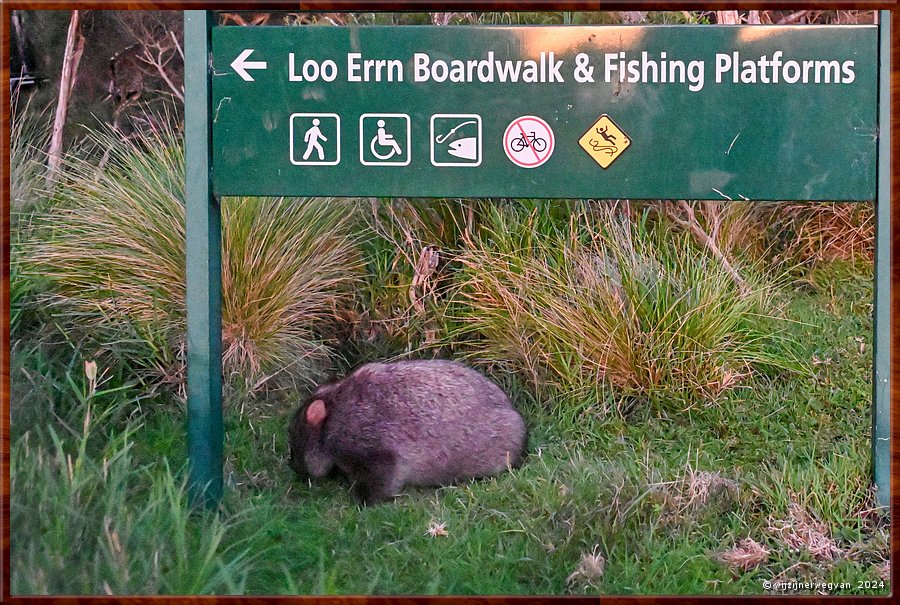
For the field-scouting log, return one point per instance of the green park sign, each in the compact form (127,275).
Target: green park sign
(657,112)
(759,113)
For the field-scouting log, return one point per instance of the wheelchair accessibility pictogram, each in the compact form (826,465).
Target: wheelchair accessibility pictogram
(384,139)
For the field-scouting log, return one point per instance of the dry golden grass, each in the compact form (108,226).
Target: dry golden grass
(590,569)
(692,492)
(112,246)
(608,302)
(801,531)
(744,556)
(823,231)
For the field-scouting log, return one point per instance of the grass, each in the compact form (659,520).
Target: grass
(403,295)
(111,246)
(610,305)
(813,232)
(88,517)
(644,494)
(29,138)
(647,471)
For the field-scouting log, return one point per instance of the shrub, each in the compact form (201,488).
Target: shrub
(113,248)
(604,304)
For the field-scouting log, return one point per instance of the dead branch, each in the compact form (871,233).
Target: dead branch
(425,268)
(177,45)
(441,18)
(71,59)
(428,262)
(692,224)
(152,64)
(159,62)
(792,18)
(728,18)
(254,19)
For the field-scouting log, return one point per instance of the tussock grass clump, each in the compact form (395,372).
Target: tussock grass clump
(28,138)
(604,301)
(288,268)
(113,247)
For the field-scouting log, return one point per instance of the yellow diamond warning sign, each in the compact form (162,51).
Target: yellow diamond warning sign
(604,141)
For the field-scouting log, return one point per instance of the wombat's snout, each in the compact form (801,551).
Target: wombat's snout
(424,422)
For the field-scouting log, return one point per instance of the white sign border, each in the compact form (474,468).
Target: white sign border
(480,138)
(362,143)
(338,135)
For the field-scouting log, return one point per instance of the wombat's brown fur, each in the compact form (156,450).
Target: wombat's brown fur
(426,422)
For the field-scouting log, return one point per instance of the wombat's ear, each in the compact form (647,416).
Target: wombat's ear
(316,413)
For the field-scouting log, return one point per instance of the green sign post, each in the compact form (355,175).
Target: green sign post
(665,112)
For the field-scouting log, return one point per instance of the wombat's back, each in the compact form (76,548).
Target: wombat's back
(442,420)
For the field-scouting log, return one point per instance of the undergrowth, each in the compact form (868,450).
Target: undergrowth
(604,305)
(111,246)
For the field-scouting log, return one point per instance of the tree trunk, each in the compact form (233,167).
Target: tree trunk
(71,59)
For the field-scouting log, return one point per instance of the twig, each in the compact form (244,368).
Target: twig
(158,64)
(177,45)
(693,225)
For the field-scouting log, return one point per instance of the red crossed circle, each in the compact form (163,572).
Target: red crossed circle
(519,131)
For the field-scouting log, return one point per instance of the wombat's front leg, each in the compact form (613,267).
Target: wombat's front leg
(368,494)
(375,477)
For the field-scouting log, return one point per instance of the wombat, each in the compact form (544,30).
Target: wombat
(421,422)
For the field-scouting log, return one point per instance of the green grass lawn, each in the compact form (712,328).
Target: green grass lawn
(635,505)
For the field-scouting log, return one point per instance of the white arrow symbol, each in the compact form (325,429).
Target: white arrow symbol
(241,65)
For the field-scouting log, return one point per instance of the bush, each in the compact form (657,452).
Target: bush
(113,249)
(603,304)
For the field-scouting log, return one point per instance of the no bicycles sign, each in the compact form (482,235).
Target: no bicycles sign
(528,141)
(655,112)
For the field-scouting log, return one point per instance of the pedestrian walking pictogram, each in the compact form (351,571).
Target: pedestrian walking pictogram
(384,139)
(604,141)
(315,139)
(455,139)
(311,138)
(528,141)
